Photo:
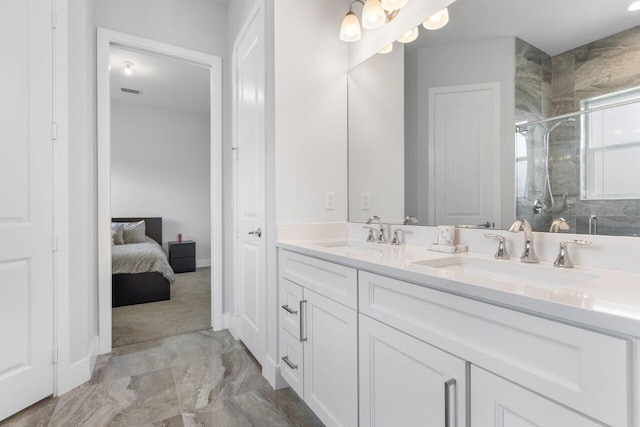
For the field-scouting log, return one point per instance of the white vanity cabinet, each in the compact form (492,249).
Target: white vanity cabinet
(319,336)
(496,402)
(406,382)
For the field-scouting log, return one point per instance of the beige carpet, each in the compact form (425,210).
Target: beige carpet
(189,310)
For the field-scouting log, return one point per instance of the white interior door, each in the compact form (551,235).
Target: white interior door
(464,147)
(26,204)
(250,188)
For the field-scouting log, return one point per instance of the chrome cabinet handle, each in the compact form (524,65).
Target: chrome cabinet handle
(257,232)
(289,309)
(290,364)
(303,321)
(450,403)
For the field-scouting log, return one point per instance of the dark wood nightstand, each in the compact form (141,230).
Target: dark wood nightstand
(182,256)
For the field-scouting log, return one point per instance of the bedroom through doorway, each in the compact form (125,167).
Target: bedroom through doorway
(163,177)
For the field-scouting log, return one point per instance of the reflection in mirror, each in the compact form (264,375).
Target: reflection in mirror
(431,124)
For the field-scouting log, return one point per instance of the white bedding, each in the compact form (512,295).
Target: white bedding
(134,258)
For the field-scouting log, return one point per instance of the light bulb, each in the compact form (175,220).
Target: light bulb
(373,15)
(437,20)
(634,6)
(392,5)
(128,68)
(350,28)
(387,49)
(409,36)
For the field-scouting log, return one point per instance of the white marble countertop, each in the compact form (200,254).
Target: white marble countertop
(603,300)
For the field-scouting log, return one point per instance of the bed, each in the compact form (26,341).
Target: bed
(140,271)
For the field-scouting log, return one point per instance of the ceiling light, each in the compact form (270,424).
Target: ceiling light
(373,15)
(437,21)
(128,68)
(409,36)
(387,49)
(634,6)
(393,4)
(350,28)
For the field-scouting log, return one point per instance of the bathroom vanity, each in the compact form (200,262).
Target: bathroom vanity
(376,335)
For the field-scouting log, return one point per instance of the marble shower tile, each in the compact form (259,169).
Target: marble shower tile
(208,381)
(139,400)
(264,407)
(36,415)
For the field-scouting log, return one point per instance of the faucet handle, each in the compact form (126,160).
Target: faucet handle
(370,237)
(564,260)
(501,253)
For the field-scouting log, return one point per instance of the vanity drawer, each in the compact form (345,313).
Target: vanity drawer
(584,370)
(333,281)
(292,362)
(290,297)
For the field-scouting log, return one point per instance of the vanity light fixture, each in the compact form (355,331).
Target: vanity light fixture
(409,36)
(374,15)
(437,20)
(128,68)
(387,49)
(634,6)
(392,5)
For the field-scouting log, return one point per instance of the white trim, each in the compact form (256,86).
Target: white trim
(496,204)
(106,38)
(271,372)
(81,371)
(205,262)
(229,322)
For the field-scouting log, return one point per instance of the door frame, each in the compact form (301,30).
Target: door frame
(495,153)
(232,324)
(107,38)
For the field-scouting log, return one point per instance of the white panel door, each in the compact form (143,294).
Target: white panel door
(330,360)
(406,382)
(464,144)
(250,188)
(26,216)
(496,402)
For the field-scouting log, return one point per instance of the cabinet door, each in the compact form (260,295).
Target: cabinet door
(330,360)
(496,402)
(406,382)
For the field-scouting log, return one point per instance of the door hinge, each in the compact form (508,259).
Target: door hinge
(54,355)
(54,243)
(54,20)
(235,150)
(54,131)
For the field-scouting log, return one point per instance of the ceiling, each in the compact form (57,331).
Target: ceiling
(554,26)
(165,82)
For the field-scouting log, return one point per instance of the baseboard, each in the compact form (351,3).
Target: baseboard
(200,263)
(229,323)
(271,371)
(81,371)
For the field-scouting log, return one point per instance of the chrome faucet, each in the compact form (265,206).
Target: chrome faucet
(528,253)
(559,224)
(376,220)
(564,260)
(410,220)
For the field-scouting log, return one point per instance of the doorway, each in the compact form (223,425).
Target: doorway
(117,201)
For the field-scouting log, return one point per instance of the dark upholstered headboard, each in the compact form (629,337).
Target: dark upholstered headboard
(153,226)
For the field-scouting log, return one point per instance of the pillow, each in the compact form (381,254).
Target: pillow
(134,232)
(117,233)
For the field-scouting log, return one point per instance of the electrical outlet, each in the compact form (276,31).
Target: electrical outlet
(365,201)
(330,201)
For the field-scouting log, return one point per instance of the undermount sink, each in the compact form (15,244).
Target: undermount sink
(505,272)
(346,244)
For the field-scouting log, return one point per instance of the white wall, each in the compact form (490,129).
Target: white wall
(376,137)
(160,167)
(480,61)
(83,286)
(310,110)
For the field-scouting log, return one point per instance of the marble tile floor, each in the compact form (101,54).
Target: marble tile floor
(199,379)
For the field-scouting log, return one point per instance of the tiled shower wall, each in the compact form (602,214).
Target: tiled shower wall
(605,66)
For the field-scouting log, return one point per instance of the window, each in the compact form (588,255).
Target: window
(610,161)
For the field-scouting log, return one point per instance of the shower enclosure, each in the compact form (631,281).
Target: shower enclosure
(582,168)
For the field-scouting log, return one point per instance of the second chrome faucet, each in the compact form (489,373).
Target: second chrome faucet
(528,253)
